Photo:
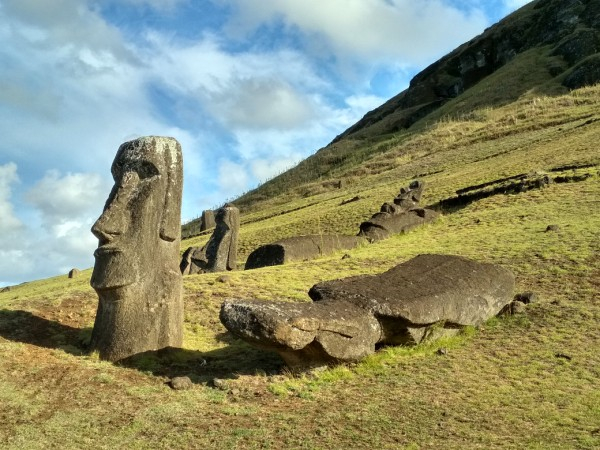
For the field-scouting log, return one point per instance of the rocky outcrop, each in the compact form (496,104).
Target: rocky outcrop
(424,298)
(299,248)
(402,215)
(571,28)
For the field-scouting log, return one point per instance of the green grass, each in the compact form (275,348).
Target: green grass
(500,386)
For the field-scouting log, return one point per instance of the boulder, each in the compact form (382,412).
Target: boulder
(305,335)
(425,298)
(73,273)
(300,248)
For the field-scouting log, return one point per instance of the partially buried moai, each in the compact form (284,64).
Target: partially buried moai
(136,274)
(220,252)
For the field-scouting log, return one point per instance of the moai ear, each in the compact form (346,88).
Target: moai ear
(170,228)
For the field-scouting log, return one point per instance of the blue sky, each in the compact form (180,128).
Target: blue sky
(249,88)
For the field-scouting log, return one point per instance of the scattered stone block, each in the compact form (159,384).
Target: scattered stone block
(527,297)
(350,200)
(552,228)
(400,216)
(180,383)
(73,273)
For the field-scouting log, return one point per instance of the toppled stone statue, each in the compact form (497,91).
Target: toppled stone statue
(220,252)
(207,221)
(300,248)
(400,216)
(136,272)
(424,298)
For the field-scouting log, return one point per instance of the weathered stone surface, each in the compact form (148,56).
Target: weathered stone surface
(304,334)
(207,221)
(571,27)
(300,248)
(194,261)
(427,289)
(73,273)
(425,298)
(136,273)
(383,225)
(400,216)
(527,297)
(181,383)
(220,252)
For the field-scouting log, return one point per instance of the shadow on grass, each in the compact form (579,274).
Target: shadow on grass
(237,358)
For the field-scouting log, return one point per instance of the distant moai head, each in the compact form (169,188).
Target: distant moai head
(136,274)
(141,218)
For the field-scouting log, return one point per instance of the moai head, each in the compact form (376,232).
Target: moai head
(141,218)
(136,274)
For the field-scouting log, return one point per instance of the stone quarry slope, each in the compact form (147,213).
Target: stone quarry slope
(545,48)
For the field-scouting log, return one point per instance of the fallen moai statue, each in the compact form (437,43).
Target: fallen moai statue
(220,252)
(424,298)
(400,216)
(300,248)
(136,277)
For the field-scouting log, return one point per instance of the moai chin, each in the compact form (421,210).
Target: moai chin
(136,274)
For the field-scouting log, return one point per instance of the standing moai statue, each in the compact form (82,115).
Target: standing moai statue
(220,252)
(208,220)
(221,249)
(136,274)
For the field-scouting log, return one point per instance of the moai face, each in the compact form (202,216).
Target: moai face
(140,217)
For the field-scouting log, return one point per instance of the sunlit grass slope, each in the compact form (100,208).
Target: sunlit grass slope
(526,381)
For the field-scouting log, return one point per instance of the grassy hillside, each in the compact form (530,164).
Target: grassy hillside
(526,381)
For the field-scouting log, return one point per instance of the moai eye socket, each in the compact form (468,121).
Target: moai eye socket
(146,169)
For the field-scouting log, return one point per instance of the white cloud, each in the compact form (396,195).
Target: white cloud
(64,200)
(265,169)
(8,221)
(233,178)
(372,29)
(364,102)
(263,103)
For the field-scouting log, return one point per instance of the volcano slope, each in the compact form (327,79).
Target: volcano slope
(529,380)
